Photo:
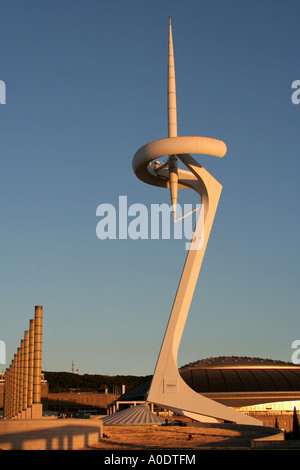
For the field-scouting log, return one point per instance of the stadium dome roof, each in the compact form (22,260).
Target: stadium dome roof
(241,374)
(237,361)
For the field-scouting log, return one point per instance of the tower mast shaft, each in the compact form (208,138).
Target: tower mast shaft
(172,123)
(172,108)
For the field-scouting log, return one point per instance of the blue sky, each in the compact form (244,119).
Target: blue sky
(86,86)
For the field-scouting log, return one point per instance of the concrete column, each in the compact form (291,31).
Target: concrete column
(17,383)
(37,363)
(21,375)
(30,364)
(14,386)
(6,394)
(25,371)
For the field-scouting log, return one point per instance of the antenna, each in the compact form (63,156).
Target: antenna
(172,123)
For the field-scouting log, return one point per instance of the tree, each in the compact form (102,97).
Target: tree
(296,431)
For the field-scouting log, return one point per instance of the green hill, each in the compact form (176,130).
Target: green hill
(66,381)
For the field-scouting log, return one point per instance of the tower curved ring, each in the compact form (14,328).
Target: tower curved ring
(178,145)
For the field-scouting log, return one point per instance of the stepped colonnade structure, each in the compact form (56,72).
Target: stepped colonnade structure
(22,383)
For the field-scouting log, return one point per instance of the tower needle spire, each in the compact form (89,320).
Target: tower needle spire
(172,122)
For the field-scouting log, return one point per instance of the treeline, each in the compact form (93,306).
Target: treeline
(66,381)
